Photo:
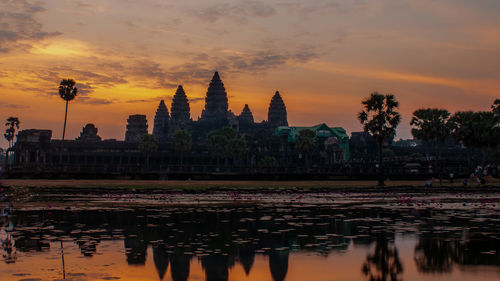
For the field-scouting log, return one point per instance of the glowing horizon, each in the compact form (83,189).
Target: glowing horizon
(323,56)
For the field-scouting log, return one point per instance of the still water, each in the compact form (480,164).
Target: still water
(359,239)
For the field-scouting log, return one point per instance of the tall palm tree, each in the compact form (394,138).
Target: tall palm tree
(12,123)
(182,142)
(380,119)
(68,92)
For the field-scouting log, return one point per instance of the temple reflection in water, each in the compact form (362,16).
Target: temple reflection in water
(220,237)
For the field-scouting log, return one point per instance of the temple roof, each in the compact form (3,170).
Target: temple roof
(246,114)
(276,114)
(180,106)
(322,130)
(162,111)
(216,103)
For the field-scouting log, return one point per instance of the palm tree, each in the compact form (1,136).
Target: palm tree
(68,92)
(380,119)
(431,125)
(496,107)
(12,123)
(306,143)
(182,142)
(148,145)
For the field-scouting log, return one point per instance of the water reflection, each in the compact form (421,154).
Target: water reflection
(220,237)
(384,263)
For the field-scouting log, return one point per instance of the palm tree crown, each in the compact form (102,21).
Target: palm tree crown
(67,89)
(379,117)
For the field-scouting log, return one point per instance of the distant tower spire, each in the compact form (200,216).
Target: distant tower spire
(276,115)
(246,115)
(162,118)
(180,115)
(180,106)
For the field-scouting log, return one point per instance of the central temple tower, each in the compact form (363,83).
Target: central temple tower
(216,100)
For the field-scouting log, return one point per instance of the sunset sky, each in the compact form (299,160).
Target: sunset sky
(323,56)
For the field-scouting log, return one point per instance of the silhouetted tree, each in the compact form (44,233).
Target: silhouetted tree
(380,119)
(496,107)
(217,144)
(182,142)
(478,130)
(68,92)
(461,128)
(434,255)
(305,142)
(148,144)
(267,163)
(236,148)
(12,124)
(224,142)
(384,264)
(431,126)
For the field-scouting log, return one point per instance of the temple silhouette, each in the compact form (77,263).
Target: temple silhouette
(266,147)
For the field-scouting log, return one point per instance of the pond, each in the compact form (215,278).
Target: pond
(334,236)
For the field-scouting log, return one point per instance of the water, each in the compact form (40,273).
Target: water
(337,236)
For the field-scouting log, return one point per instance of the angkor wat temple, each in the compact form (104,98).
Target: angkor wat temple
(270,145)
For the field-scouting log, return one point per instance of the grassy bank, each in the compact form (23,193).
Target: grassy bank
(209,185)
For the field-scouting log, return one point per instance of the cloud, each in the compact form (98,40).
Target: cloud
(145,70)
(92,79)
(12,105)
(235,62)
(153,99)
(239,12)
(195,100)
(18,27)
(95,101)
(84,89)
(308,8)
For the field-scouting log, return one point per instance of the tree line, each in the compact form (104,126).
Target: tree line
(471,129)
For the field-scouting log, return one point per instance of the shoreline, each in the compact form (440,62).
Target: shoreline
(204,185)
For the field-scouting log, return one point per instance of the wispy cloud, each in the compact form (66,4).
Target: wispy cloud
(19,28)
(12,105)
(240,11)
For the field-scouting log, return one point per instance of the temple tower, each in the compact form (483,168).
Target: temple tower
(180,115)
(246,115)
(89,134)
(216,100)
(276,115)
(137,126)
(162,118)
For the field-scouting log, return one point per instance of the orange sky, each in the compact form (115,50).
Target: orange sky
(324,56)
